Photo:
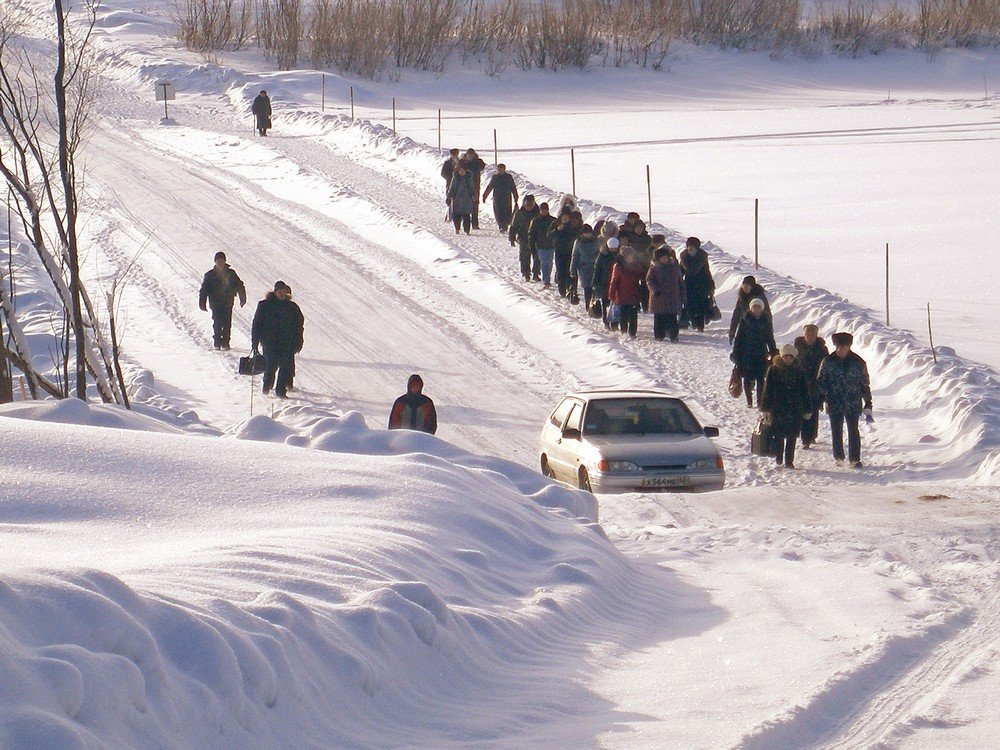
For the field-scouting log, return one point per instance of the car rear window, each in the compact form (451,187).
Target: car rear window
(639,416)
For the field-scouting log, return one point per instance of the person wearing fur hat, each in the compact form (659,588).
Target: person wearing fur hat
(581,265)
(699,283)
(504,196)
(519,233)
(749,290)
(752,347)
(562,235)
(413,410)
(278,326)
(812,350)
(845,388)
(785,400)
(607,256)
(666,293)
(463,198)
(624,289)
(475,166)
(447,172)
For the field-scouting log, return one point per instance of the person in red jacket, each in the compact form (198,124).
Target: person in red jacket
(413,410)
(625,290)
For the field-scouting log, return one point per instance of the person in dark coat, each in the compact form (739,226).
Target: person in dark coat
(749,290)
(845,388)
(520,233)
(219,289)
(786,402)
(504,196)
(463,197)
(607,256)
(666,293)
(476,166)
(562,235)
(752,347)
(261,109)
(812,351)
(541,243)
(624,290)
(413,410)
(699,283)
(581,265)
(447,170)
(278,327)
(627,230)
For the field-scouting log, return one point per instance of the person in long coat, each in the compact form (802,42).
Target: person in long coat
(562,235)
(463,197)
(261,109)
(219,289)
(476,167)
(666,293)
(786,401)
(812,351)
(845,388)
(278,326)
(624,290)
(698,282)
(752,347)
(504,196)
(749,290)
(520,234)
(607,256)
(581,265)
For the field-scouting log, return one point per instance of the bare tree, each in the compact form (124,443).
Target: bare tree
(41,129)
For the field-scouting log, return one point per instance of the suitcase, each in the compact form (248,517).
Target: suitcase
(762,442)
(253,364)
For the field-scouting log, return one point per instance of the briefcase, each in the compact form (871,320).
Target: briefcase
(762,442)
(254,364)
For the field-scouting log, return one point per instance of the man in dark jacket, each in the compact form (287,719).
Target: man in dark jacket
(261,109)
(463,197)
(475,167)
(812,351)
(504,196)
(749,290)
(219,289)
(562,235)
(519,233)
(278,327)
(786,401)
(752,347)
(413,410)
(541,243)
(845,388)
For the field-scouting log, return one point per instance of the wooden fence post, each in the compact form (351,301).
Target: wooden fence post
(572,166)
(352,104)
(887,283)
(756,233)
(649,196)
(930,332)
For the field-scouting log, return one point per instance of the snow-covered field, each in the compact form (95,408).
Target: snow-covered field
(190,576)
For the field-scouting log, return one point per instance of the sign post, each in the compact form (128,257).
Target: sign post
(165,91)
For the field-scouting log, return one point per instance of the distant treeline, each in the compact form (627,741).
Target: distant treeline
(375,37)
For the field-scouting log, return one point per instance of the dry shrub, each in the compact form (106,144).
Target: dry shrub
(210,25)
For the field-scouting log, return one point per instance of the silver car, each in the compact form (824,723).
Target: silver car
(629,441)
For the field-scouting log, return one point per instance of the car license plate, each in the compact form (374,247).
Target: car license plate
(664,481)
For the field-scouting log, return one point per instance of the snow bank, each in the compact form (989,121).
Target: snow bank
(239,594)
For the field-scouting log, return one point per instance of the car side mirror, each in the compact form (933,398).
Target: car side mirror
(711,432)
(571,433)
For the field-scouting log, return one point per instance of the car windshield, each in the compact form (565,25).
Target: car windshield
(639,416)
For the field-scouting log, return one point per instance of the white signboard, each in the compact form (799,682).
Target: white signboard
(165,90)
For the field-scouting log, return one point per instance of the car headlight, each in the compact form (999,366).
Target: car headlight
(704,463)
(617,466)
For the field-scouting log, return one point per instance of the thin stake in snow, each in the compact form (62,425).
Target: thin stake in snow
(756,233)
(887,283)
(572,167)
(394,115)
(649,196)
(322,105)
(930,332)
(496,153)
(352,104)
(439,131)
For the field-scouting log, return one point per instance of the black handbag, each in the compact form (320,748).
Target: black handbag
(253,364)
(762,442)
(596,309)
(714,313)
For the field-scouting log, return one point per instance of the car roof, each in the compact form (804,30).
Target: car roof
(612,393)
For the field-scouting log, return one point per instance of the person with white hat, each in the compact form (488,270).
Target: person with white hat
(785,400)
(752,347)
